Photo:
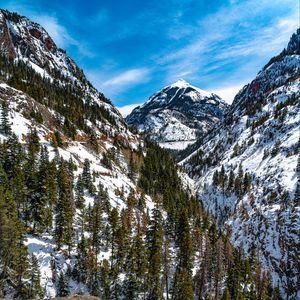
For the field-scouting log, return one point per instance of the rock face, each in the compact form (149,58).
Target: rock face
(178,114)
(23,39)
(247,170)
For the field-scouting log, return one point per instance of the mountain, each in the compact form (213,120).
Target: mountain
(248,168)
(86,206)
(178,114)
(27,43)
(23,39)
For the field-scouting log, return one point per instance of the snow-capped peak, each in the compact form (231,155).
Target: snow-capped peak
(181,83)
(178,113)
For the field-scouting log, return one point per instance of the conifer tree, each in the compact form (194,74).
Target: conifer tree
(166,265)
(216,178)
(5,125)
(96,227)
(154,244)
(238,183)
(86,175)
(35,289)
(222,179)
(183,287)
(40,204)
(62,286)
(230,181)
(33,142)
(105,280)
(13,254)
(113,221)
(64,209)
(79,193)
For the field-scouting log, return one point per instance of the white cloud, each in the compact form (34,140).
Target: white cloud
(59,33)
(129,77)
(231,33)
(228,93)
(127,109)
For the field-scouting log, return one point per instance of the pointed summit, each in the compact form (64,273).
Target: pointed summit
(183,84)
(178,114)
(180,83)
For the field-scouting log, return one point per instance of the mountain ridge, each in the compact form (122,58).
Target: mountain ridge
(246,169)
(178,114)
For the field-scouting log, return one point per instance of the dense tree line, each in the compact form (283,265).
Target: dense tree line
(173,251)
(61,94)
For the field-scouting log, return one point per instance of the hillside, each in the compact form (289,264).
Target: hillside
(177,115)
(86,206)
(247,169)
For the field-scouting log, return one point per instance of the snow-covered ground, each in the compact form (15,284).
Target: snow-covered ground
(263,218)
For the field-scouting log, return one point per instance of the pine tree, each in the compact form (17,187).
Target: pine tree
(79,193)
(246,182)
(93,274)
(41,202)
(5,125)
(33,141)
(226,295)
(21,269)
(102,197)
(230,181)
(96,227)
(86,175)
(183,287)
(234,275)
(94,142)
(113,221)
(62,286)
(154,244)
(105,280)
(166,265)
(64,209)
(238,183)
(135,268)
(222,179)
(35,289)
(131,167)
(216,178)
(13,253)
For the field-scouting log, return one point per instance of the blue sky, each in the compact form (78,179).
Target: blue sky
(130,49)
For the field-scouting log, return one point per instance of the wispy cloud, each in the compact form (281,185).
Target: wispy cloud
(229,34)
(127,109)
(129,77)
(60,34)
(269,40)
(228,93)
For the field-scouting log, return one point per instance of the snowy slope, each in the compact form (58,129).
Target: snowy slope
(261,135)
(178,114)
(26,41)
(114,180)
